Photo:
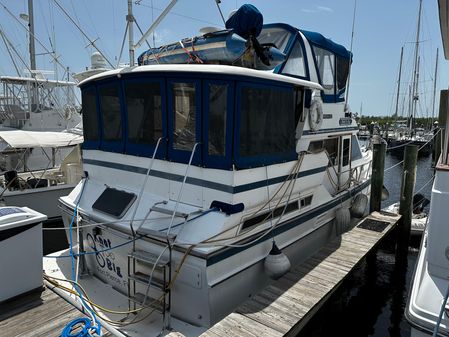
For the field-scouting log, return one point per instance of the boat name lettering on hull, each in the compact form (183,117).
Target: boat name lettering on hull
(105,260)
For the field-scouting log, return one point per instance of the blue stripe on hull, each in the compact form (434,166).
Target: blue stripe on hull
(283,227)
(202,182)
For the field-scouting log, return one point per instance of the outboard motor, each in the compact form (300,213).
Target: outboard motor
(247,22)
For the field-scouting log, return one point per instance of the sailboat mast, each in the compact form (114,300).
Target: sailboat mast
(399,84)
(31,34)
(434,89)
(415,95)
(130,21)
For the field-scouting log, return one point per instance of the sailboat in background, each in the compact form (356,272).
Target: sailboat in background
(406,132)
(39,156)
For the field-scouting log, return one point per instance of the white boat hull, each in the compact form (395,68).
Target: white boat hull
(211,284)
(44,199)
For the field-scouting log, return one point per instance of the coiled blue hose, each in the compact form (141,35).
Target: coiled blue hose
(67,332)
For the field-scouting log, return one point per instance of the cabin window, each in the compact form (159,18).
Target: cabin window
(90,117)
(277,36)
(267,216)
(325,61)
(184,110)
(218,98)
(300,116)
(355,148)
(295,63)
(306,201)
(144,107)
(267,121)
(342,72)
(110,111)
(346,149)
(331,147)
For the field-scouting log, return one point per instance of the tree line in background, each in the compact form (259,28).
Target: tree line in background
(384,120)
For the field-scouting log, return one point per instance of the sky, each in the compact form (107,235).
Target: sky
(381,28)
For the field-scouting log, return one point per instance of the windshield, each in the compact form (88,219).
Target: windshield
(278,36)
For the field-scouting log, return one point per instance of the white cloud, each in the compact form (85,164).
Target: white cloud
(305,10)
(324,9)
(317,9)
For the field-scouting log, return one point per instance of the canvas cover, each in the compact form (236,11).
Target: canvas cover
(13,139)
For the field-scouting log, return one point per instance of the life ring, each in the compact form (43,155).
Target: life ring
(315,115)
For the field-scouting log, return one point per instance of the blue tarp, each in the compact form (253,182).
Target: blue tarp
(246,21)
(325,43)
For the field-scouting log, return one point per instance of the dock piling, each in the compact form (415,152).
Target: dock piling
(442,115)
(406,198)
(377,177)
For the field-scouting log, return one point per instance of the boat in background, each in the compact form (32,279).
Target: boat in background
(34,101)
(419,215)
(206,181)
(427,306)
(40,188)
(364,133)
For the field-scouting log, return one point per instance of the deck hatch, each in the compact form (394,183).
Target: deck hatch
(114,202)
(374,225)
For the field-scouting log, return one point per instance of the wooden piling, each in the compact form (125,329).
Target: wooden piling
(442,116)
(377,177)
(406,198)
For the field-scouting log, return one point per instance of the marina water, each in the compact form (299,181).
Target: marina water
(372,299)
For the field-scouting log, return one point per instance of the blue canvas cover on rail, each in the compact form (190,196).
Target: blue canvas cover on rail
(246,21)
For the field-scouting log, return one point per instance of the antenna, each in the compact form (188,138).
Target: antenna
(350,50)
(218,2)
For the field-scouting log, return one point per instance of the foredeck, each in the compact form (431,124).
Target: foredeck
(282,309)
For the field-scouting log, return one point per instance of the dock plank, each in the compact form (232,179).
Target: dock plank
(282,309)
(288,304)
(36,314)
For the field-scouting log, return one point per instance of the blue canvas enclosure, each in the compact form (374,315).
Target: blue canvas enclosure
(320,41)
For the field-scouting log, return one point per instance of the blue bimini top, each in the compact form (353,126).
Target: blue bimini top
(325,43)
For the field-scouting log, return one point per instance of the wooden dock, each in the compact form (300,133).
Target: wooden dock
(285,306)
(281,309)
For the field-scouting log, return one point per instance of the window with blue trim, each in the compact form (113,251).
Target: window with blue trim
(90,116)
(295,63)
(111,113)
(267,121)
(277,36)
(218,97)
(325,61)
(144,108)
(342,74)
(184,116)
